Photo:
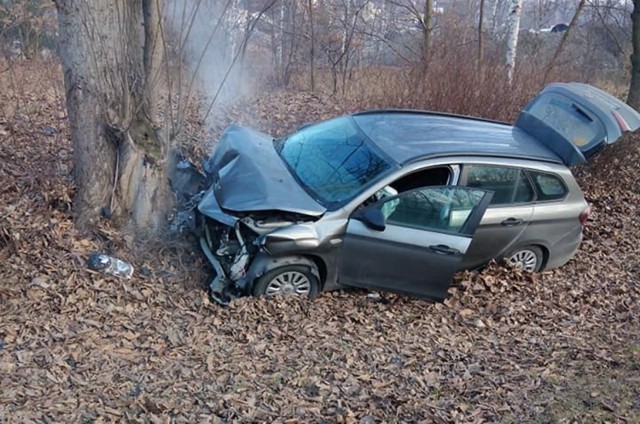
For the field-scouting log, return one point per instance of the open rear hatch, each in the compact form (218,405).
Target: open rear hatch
(575,120)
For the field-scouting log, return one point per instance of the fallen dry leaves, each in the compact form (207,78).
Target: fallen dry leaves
(78,346)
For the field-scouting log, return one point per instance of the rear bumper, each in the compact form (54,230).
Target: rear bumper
(565,249)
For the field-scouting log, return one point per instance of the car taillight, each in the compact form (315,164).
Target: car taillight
(584,216)
(623,124)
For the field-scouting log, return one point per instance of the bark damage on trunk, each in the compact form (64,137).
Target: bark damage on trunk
(111,55)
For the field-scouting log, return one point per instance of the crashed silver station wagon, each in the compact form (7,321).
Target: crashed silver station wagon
(400,200)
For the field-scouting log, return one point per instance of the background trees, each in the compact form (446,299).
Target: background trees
(134,70)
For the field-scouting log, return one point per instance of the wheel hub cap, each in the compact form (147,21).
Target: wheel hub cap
(290,282)
(525,260)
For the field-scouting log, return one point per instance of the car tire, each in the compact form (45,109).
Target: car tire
(527,258)
(298,280)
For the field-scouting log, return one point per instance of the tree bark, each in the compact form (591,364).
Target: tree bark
(480,35)
(119,158)
(153,54)
(312,64)
(427,27)
(634,88)
(515,10)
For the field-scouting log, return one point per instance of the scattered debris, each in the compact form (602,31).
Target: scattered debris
(109,265)
(49,131)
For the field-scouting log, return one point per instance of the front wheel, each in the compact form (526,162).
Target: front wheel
(528,258)
(296,280)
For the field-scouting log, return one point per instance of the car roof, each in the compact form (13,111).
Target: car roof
(409,135)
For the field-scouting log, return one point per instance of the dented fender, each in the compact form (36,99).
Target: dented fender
(293,238)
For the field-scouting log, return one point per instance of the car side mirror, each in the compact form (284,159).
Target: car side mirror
(372,218)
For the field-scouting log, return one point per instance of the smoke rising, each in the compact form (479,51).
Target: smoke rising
(208,38)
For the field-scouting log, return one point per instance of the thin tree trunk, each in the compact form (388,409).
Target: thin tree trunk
(153,52)
(312,65)
(515,11)
(634,88)
(493,12)
(563,40)
(427,27)
(480,35)
(281,44)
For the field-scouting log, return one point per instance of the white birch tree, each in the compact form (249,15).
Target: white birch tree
(515,11)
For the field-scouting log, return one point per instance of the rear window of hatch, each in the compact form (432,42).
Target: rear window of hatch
(569,119)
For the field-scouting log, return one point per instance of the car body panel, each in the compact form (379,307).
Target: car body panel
(370,258)
(209,207)
(408,135)
(576,119)
(494,237)
(248,175)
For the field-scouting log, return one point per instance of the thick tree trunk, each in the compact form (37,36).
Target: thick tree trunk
(634,88)
(119,159)
(515,10)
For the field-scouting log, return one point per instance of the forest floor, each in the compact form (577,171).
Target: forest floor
(79,346)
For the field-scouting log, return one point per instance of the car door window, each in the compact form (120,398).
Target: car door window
(510,185)
(442,209)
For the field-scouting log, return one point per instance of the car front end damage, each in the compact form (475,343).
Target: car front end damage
(238,249)
(251,195)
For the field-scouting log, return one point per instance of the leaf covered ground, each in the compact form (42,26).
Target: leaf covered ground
(79,346)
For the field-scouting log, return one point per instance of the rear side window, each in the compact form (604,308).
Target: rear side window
(509,185)
(549,187)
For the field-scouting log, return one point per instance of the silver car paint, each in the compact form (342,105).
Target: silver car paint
(321,241)
(249,175)
(557,220)
(400,258)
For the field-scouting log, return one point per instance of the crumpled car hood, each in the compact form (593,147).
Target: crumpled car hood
(249,175)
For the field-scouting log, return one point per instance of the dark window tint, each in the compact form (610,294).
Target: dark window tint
(509,185)
(444,209)
(550,187)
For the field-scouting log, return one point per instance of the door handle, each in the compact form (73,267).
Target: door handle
(511,222)
(444,250)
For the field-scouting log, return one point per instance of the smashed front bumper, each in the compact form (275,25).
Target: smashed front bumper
(228,251)
(219,286)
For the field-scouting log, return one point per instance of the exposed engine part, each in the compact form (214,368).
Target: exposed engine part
(265,224)
(238,269)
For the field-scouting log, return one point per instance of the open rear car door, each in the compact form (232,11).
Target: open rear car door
(414,242)
(576,120)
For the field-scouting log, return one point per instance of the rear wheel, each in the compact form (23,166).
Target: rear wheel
(528,258)
(299,280)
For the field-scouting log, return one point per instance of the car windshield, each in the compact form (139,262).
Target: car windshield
(333,160)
